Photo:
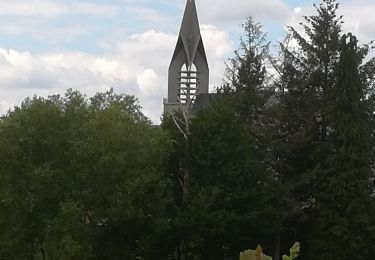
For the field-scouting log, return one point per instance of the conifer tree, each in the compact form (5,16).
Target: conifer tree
(250,88)
(246,73)
(345,211)
(306,77)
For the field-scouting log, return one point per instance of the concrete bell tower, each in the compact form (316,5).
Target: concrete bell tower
(188,75)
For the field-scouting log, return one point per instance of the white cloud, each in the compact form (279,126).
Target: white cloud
(358,18)
(137,65)
(95,9)
(149,83)
(224,11)
(147,14)
(218,47)
(211,36)
(39,8)
(35,29)
(52,22)
(228,13)
(54,8)
(108,68)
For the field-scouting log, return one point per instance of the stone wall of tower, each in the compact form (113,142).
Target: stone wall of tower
(189,50)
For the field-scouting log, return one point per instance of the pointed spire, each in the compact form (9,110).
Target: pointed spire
(190,32)
(188,73)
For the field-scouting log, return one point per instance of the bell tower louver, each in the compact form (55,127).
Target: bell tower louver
(188,74)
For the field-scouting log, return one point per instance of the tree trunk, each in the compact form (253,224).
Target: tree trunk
(277,255)
(184,176)
(185,186)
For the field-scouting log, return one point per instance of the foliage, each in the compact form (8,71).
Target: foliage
(300,141)
(294,129)
(221,212)
(294,252)
(258,253)
(306,116)
(254,254)
(281,155)
(246,75)
(81,179)
(345,207)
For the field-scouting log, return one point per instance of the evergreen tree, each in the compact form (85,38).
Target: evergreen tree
(237,187)
(345,227)
(246,73)
(300,144)
(230,193)
(248,83)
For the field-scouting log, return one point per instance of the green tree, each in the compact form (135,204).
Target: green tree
(246,75)
(303,142)
(307,74)
(82,179)
(345,226)
(241,187)
(229,192)
(249,84)
(31,181)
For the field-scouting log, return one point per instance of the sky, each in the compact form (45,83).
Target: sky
(49,46)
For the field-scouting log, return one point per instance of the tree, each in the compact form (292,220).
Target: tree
(345,226)
(241,187)
(229,191)
(246,73)
(31,181)
(82,179)
(307,74)
(248,82)
(303,141)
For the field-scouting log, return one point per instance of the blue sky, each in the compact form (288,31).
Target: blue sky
(89,22)
(47,46)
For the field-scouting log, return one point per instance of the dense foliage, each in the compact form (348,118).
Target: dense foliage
(230,192)
(285,153)
(81,179)
(345,210)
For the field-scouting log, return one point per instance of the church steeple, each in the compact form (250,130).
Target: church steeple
(188,71)
(190,32)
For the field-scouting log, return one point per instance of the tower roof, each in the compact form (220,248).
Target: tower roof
(190,34)
(185,81)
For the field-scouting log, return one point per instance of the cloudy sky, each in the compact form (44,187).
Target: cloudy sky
(48,46)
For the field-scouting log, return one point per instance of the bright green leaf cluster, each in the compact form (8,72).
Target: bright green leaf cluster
(254,254)
(294,252)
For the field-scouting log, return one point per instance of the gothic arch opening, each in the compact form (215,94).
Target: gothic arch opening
(188,84)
